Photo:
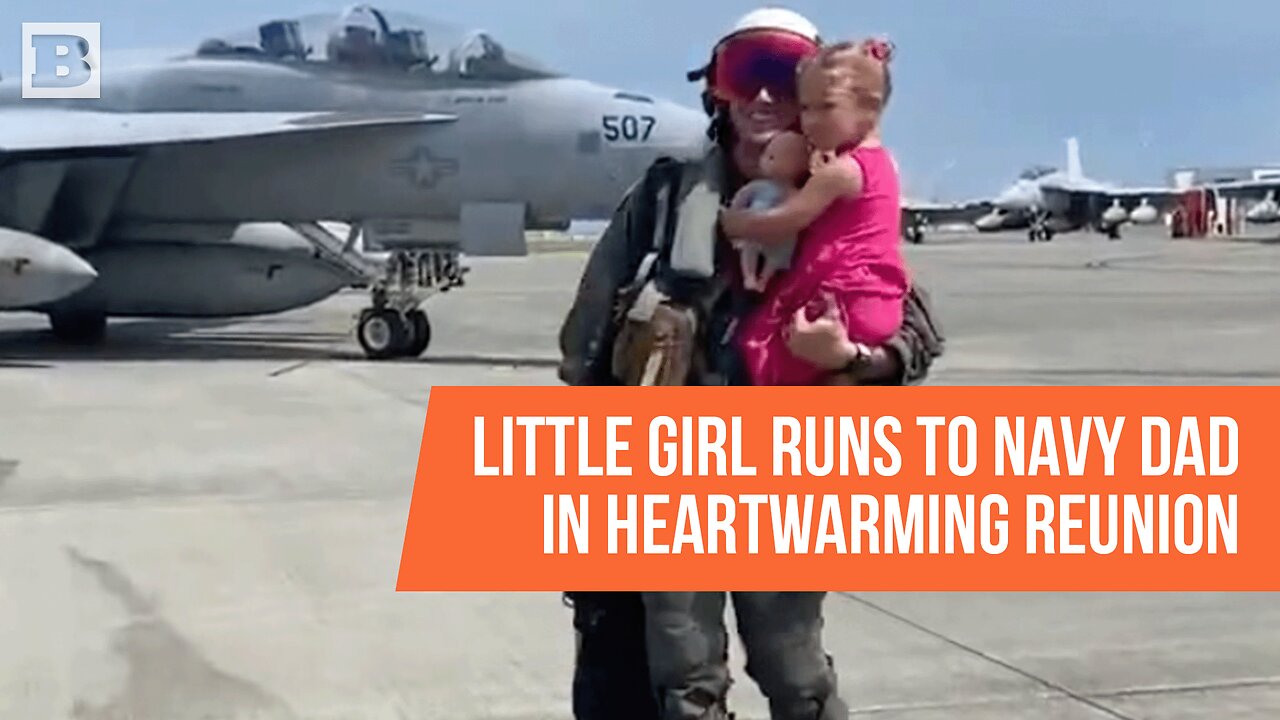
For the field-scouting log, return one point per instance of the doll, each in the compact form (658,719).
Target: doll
(783,164)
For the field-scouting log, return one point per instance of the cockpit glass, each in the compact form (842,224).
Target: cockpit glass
(1036,172)
(366,37)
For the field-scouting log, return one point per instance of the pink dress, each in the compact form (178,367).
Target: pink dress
(853,252)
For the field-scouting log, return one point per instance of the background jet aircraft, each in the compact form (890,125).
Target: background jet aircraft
(1051,200)
(519,146)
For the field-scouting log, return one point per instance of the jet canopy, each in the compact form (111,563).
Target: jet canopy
(1035,172)
(365,38)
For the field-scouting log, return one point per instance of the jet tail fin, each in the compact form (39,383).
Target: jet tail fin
(1075,169)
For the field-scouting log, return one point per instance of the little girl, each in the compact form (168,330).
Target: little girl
(848,216)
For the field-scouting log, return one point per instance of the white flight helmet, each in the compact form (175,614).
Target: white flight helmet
(774,18)
(768,18)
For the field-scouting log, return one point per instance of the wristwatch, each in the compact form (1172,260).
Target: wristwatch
(861,358)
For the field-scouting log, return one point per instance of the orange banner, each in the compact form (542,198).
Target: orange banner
(844,489)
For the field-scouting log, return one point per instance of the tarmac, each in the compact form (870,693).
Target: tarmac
(204,520)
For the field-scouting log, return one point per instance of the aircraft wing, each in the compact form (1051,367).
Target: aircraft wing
(932,213)
(1153,194)
(1250,189)
(66,174)
(1102,197)
(71,131)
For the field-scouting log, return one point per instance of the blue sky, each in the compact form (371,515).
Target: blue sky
(982,88)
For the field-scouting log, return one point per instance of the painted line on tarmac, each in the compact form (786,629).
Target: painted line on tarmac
(288,368)
(1085,700)
(1177,689)
(513,361)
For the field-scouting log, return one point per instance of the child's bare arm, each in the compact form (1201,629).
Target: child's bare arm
(799,210)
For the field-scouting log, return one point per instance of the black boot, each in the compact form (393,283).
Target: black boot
(611,672)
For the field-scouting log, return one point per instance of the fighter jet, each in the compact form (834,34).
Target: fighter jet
(1051,201)
(515,145)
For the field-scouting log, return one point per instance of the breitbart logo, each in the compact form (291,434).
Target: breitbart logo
(61,60)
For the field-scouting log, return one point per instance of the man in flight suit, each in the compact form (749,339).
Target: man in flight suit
(612,677)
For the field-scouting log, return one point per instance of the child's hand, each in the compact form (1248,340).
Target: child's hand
(823,342)
(735,222)
(829,162)
(820,159)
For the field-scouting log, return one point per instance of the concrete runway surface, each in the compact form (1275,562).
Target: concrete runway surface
(204,520)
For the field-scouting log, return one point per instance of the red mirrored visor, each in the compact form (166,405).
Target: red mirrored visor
(759,60)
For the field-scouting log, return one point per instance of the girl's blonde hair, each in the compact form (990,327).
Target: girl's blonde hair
(860,69)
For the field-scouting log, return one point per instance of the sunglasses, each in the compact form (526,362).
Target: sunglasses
(760,60)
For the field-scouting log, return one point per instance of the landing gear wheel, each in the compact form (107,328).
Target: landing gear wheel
(79,328)
(382,333)
(1039,234)
(419,335)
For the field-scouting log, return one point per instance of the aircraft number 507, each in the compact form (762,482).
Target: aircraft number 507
(628,127)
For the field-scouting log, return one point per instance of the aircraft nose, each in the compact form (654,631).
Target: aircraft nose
(1010,199)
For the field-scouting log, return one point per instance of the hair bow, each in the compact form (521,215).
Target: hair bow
(879,48)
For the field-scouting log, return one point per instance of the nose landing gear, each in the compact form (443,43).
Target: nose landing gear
(913,230)
(1039,230)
